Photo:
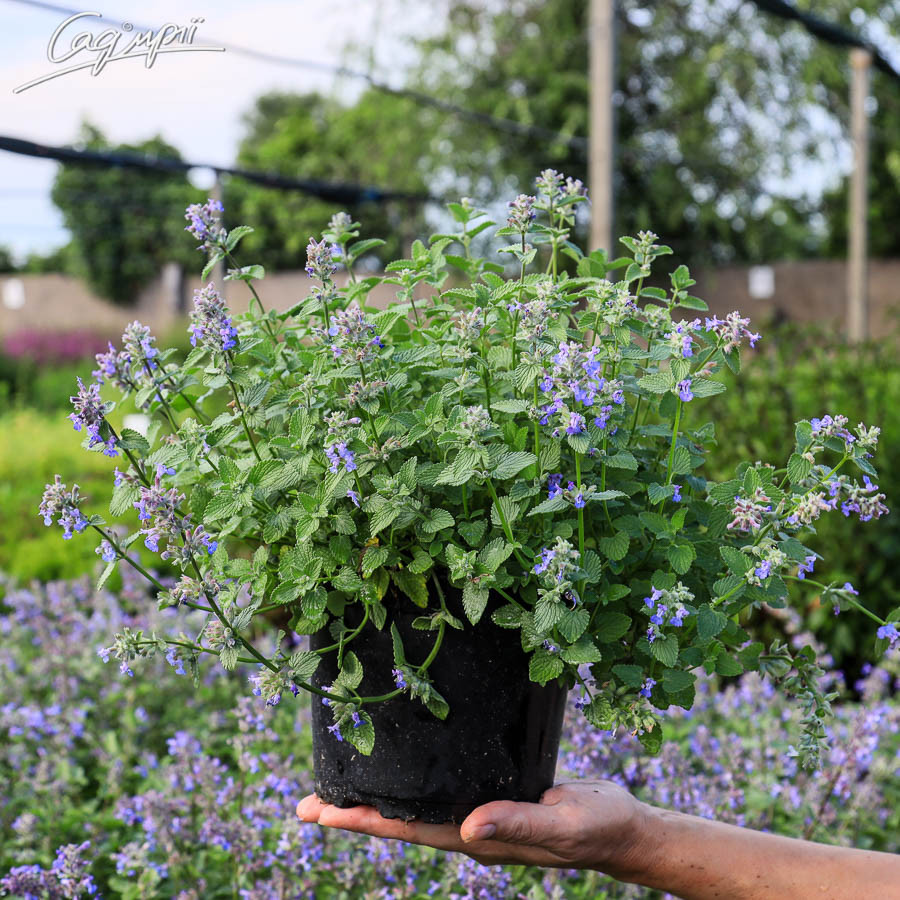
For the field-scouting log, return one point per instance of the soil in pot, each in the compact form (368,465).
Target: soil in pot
(499,741)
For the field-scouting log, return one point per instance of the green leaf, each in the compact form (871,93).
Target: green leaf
(610,626)
(373,558)
(123,498)
(706,387)
(436,519)
(728,665)
(277,525)
(509,616)
(511,463)
(676,680)
(351,673)
(681,461)
(304,664)
(573,623)
(738,562)
(547,612)
(414,586)
(475,598)
(361,736)
(472,532)
(436,704)
(544,666)
(632,676)
(798,468)
(681,556)
(615,547)
(655,523)
(228,656)
(652,740)
(665,649)
(235,235)
(494,554)
(583,651)
(383,515)
(710,622)
(551,504)
(222,506)
(108,569)
(657,382)
(624,459)
(509,406)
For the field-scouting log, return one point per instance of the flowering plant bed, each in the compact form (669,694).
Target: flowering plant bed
(515,454)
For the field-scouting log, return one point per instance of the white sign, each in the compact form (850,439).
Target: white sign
(761,282)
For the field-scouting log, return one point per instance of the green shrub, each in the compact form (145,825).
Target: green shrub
(802,372)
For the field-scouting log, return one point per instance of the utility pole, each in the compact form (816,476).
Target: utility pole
(858,232)
(600,165)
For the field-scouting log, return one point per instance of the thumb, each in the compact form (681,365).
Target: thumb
(508,822)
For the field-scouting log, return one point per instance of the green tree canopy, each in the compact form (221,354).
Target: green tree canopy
(125,222)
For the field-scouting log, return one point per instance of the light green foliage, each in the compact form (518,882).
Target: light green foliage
(534,442)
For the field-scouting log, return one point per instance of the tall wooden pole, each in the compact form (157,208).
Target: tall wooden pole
(858,232)
(600,164)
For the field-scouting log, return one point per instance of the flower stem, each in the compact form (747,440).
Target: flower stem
(581,509)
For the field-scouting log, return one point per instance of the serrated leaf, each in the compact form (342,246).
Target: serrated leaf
(739,563)
(624,459)
(681,461)
(547,612)
(361,736)
(414,586)
(222,506)
(436,519)
(632,676)
(509,406)
(123,499)
(710,623)
(798,468)
(582,651)
(475,598)
(665,649)
(657,382)
(676,680)
(108,569)
(373,558)
(551,504)
(472,532)
(511,463)
(494,554)
(610,626)
(304,664)
(573,623)
(509,616)
(351,673)
(681,556)
(615,547)
(544,666)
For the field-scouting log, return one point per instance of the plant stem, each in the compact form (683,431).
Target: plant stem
(581,510)
(506,529)
(244,420)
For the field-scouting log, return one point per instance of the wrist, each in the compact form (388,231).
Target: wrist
(631,856)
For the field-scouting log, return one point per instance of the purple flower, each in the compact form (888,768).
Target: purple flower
(521,213)
(648,686)
(554,487)
(805,568)
(106,551)
(354,497)
(338,453)
(889,633)
(547,556)
(850,589)
(579,500)
(684,390)
(676,495)
(59,501)
(763,570)
(204,223)
(211,325)
(576,424)
(336,731)
(399,680)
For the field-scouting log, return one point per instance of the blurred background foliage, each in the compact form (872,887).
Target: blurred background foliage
(731,134)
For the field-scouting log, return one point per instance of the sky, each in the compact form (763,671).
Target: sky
(194,100)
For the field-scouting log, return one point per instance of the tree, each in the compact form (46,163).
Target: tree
(125,222)
(374,142)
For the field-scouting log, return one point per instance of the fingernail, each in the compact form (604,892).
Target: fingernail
(480,833)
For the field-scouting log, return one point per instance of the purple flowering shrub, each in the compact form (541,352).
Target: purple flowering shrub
(535,438)
(118,789)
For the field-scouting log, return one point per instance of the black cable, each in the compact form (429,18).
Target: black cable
(827,31)
(498,123)
(346,194)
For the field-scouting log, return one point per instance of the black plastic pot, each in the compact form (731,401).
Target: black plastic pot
(499,741)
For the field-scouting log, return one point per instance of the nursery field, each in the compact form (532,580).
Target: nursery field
(119,787)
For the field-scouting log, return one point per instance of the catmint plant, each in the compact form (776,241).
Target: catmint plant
(523,442)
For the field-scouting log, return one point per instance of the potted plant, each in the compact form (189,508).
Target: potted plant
(473,500)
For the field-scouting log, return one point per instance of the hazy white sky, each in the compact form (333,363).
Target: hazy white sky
(194,100)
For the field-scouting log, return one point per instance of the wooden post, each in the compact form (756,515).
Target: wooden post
(858,234)
(600,164)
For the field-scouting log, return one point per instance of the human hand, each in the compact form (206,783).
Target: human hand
(588,825)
